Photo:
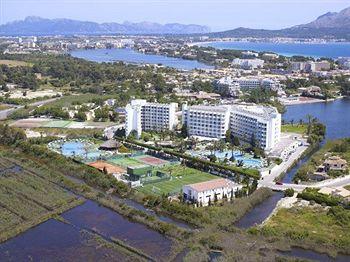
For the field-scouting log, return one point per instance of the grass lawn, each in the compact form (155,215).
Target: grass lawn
(58,123)
(181,175)
(296,128)
(311,226)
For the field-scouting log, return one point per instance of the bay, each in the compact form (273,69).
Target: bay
(316,50)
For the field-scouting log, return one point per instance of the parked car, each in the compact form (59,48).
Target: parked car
(279,183)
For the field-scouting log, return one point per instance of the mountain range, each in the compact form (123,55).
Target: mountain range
(33,25)
(329,25)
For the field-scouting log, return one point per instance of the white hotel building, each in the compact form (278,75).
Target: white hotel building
(144,116)
(264,123)
(245,121)
(206,121)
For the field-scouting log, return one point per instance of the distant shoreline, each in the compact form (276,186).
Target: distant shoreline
(283,48)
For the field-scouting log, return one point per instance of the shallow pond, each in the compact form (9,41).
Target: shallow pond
(55,241)
(108,223)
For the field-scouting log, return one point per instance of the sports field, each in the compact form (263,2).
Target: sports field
(58,124)
(150,160)
(125,161)
(180,176)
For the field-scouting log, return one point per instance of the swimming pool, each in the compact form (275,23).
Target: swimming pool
(248,160)
(85,150)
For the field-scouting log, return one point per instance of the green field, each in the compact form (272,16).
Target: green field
(312,226)
(181,176)
(296,128)
(125,161)
(58,124)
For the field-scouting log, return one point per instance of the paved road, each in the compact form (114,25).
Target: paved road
(337,182)
(5,113)
(283,167)
(268,180)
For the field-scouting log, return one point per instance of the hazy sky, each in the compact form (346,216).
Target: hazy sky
(217,14)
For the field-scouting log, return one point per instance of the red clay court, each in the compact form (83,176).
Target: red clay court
(150,160)
(111,169)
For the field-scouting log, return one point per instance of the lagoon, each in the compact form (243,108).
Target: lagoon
(335,115)
(128,55)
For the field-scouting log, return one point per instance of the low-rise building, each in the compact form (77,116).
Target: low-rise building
(335,191)
(335,163)
(208,192)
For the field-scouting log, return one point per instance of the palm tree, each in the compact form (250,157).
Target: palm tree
(309,119)
(232,148)
(210,148)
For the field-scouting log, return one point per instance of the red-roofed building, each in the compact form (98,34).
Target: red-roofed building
(210,191)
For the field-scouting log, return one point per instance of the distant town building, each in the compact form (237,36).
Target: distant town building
(233,86)
(344,62)
(144,116)
(248,64)
(211,191)
(228,87)
(249,54)
(311,66)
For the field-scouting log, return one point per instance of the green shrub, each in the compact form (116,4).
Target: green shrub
(289,192)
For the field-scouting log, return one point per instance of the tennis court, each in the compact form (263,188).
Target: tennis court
(111,169)
(125,162)
(151,160)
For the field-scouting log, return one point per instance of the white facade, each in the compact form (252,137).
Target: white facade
(245,121)
(248,64)
(206,121)
(311,66)
(258,122)
(144,116)
(210,191)
(228,85)
(249,83)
